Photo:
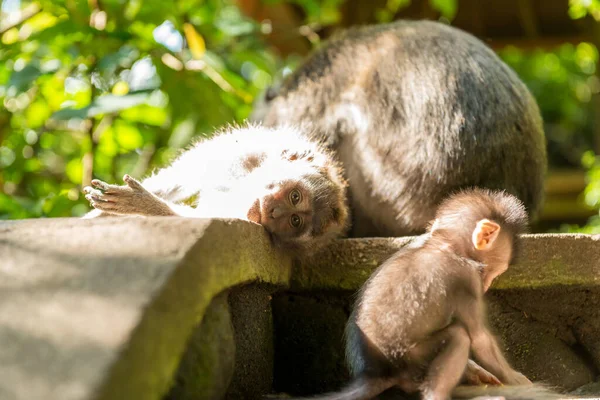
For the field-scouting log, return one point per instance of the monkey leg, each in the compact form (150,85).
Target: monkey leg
(131,199)
(448,366)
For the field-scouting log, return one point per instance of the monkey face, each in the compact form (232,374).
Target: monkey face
(496,259)
(286,211)
(303,213)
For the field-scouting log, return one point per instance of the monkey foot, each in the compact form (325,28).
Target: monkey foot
(476,375)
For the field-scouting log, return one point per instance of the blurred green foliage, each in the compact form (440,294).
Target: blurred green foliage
(108,87)
(563,82)
(117,85)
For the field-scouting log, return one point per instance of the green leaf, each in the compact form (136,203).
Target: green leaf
(128,136)
(447,8)
(22,80)
(37,113)
(104,105)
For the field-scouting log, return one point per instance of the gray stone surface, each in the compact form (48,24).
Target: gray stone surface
(252,317)
(534,348)
(547,260)
(207,365)
(100,309)
(546,308)
(309,344)
(105,309)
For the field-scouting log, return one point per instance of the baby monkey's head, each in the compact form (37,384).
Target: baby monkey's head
(483,225)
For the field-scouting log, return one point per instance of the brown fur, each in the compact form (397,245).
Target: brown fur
(421,314)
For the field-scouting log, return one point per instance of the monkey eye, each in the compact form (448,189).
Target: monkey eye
(295,197)
(295,221)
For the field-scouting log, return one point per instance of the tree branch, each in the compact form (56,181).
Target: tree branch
(18,18)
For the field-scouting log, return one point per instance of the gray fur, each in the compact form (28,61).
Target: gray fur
(415,110)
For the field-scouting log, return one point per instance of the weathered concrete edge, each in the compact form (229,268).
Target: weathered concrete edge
(212,265)
(546,260)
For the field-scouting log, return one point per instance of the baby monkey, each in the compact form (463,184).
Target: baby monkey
(276,177)
(421,313)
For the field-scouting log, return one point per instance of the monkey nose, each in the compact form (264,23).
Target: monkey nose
(277,212)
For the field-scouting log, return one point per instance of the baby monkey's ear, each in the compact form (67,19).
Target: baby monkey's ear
(484,234)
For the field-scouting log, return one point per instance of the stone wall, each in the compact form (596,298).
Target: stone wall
(174,308)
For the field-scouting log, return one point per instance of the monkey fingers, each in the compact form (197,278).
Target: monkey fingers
(129,199)
(92,192)
(97,195)
(105,187)
(476,375)
(134,184)
(102,205)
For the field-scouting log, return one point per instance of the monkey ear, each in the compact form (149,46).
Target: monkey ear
(485,234)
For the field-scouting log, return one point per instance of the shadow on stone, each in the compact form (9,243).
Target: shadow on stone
(207,366)
(253,329)
(309,345)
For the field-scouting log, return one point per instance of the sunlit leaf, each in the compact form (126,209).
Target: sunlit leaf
(74,170)
(127,135)
(195,41)
(447,8)
(37,113)
(156,116)
(121,88)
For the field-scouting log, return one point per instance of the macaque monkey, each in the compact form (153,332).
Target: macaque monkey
(421,313)
(274,177)
(414,110)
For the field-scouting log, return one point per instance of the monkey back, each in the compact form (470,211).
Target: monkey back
(415,110)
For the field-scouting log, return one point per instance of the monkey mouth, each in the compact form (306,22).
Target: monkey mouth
(254,213)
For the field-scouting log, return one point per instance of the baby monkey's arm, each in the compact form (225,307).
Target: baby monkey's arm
(131,199)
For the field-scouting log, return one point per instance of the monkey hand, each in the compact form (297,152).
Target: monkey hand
(129,199)
(476,375)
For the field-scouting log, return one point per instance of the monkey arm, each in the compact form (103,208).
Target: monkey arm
(132,199)
(488,353)
(484,345)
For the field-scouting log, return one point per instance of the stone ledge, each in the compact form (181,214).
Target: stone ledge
(104,308)
(546,260)
(84,303)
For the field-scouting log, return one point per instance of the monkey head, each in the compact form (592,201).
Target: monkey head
(303,201)
(482,225)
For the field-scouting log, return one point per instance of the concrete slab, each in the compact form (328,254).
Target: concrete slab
(100,309)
